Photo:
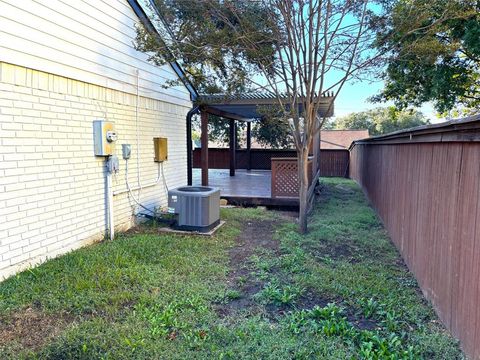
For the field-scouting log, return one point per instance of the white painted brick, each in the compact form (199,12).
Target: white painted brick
(34,211)
(52,188)
(21,258)
(19,244)
(12,253)
(39,251)
(10,125)
(4,265)
(16,215)
(15,201)
(8,164)
(37,225)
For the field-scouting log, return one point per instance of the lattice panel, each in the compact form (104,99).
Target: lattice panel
(284,179)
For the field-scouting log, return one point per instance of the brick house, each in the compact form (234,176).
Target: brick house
(62,66)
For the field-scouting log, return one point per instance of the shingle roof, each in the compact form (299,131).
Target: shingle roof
(340,139)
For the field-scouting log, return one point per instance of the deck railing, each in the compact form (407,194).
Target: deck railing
(285,182)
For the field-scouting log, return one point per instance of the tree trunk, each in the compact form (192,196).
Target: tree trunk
(302,156)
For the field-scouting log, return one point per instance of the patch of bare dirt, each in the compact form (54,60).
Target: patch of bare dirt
(256,234)
(363,323)
(360,321)
(32,328)
(310,299)
(336,252)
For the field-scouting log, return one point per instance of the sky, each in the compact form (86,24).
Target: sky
(354,98)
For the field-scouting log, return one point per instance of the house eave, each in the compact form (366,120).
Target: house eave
(146,22)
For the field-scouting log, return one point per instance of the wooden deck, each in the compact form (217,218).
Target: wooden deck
(247,187)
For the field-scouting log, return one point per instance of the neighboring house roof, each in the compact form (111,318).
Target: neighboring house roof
(340,139)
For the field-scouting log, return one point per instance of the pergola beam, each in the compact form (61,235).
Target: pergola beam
(225,114)
(245,108)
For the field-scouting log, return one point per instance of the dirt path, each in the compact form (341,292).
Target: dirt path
(256,235)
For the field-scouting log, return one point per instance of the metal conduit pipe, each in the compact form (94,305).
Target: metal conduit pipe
(111,223)
(139,187)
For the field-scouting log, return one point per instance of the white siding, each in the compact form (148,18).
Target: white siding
(86,40)
(52,187)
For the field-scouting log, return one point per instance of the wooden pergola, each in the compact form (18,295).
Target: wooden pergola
(244,107)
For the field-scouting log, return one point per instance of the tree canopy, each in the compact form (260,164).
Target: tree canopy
(220,44)
(381,120)
(434,53)
(295,50)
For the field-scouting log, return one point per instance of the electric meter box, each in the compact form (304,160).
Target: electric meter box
(104,137)
(161,149)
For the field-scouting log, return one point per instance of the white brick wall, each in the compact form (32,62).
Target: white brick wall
(52,187)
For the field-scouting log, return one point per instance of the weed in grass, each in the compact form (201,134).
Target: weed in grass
(391,321)
(162,320)
(408,281)
(242,280)
(293,261)
(262,275)
(326,259)
(272,293)
(233,294)
(331,322)
(133,343)
(260,263)
(228,296)
(370,307)
(374,347)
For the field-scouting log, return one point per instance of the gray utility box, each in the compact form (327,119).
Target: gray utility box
(197,207)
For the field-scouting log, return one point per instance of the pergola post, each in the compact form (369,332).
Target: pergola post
(204,142)
(249,145)
(233,146)
(316,154)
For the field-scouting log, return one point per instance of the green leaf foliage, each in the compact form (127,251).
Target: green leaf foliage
(434,54)
(209,39)
(381,120)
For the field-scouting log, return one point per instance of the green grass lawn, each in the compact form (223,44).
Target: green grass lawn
(255,290)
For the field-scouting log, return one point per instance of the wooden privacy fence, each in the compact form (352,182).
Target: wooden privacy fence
(425,186)
(332,162)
